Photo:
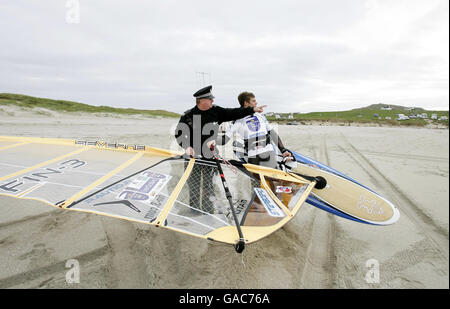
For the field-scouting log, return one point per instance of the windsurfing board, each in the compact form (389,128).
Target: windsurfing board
(312,199)
(346,195)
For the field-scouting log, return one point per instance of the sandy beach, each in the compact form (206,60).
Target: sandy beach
(409,166)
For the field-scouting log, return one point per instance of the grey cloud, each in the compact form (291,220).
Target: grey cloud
(145,54)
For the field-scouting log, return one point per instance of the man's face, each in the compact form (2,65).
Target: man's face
(205,104)
(251,103)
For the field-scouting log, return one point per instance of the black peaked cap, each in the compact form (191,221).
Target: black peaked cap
(204,93)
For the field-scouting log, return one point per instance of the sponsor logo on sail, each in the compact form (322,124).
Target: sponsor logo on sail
(109,145)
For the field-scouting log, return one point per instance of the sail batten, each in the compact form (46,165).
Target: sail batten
(12,146)
(34,167)
(102,180)
(170,201)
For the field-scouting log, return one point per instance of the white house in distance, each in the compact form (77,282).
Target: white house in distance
(277,116)
(443,118)
(423,116)
(434,116)
(386,108)
(402,117)
(269,114)
(291,116)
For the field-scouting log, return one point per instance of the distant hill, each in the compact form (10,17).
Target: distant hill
(379,106)
(69,106)
(373,114)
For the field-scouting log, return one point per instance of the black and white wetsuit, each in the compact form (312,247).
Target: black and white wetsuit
(259,139)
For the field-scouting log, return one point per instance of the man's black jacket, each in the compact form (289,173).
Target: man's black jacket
(197,127)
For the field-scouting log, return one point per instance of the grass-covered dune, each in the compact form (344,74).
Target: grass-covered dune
(69,106)
(370,114)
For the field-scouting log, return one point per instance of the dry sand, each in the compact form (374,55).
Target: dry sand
(409,166)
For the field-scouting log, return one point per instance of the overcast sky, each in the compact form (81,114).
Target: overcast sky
(296,56)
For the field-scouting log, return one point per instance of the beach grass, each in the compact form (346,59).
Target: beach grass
(371,114)
(25,101)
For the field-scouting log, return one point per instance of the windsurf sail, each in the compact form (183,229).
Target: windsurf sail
(152,186)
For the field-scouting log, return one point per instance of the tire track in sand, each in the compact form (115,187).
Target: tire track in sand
(30,218)
(320,263)
(437,235)
(407,156)
(53,270)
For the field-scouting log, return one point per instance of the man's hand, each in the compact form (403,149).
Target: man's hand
(211,144)
(288,156)
(259,109)
(190,152)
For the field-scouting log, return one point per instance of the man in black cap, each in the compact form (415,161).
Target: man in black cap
(196,132)
(198,127)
